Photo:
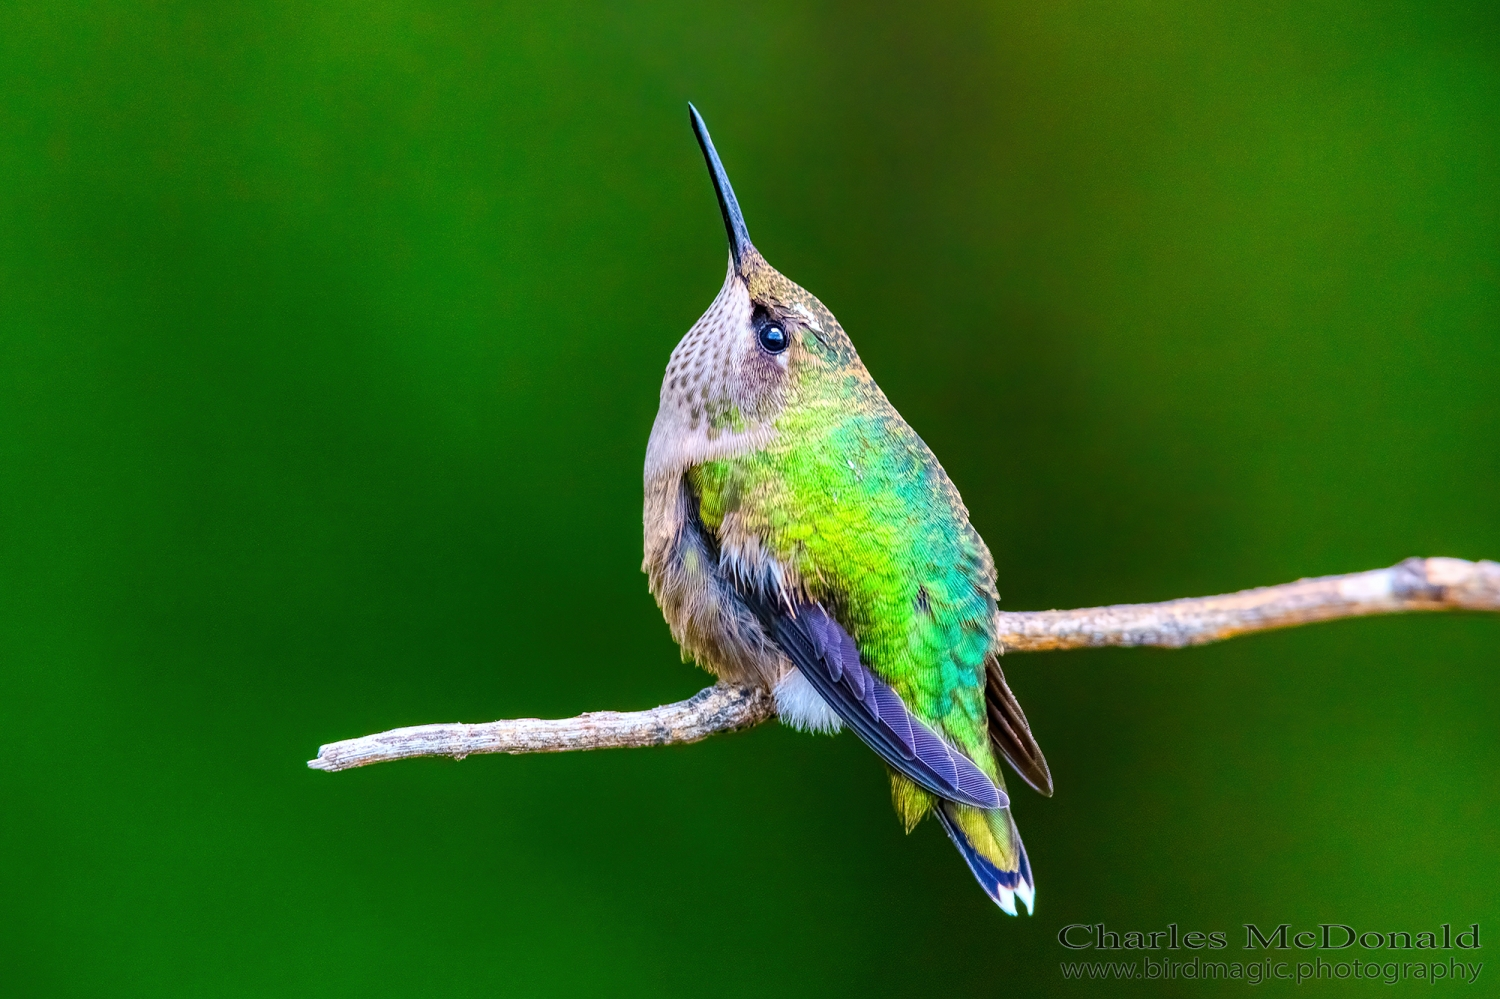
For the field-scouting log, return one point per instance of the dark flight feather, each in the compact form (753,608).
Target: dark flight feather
(1011,734)
(829,659)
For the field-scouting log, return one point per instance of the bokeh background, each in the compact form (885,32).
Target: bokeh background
(330,338)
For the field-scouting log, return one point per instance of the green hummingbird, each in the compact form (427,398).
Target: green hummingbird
(800,537)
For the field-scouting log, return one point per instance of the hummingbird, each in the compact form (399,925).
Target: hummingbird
(800,537)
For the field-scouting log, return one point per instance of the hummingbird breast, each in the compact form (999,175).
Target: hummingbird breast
(685,563)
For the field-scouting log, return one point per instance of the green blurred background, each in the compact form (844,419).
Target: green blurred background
(330,338)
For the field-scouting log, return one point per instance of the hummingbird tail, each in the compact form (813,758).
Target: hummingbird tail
(991,845)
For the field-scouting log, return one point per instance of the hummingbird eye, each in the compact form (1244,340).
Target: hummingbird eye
(772,338)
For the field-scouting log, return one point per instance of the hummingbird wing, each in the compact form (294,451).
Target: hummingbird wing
(829,659)
(1011,734)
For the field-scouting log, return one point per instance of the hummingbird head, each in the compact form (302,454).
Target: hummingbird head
(762,344)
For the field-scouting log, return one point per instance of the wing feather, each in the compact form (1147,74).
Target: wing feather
(1011,734)
(829,659)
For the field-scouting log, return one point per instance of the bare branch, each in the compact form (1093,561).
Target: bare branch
(1414,585)
(716,709)
(1418,584)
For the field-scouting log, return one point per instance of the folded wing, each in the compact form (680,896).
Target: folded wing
(829,659)
(1011,734)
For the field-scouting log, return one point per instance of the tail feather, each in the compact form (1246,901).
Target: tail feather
(991,845)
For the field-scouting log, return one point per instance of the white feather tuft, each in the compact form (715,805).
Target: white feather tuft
(801,707)
(1027,894)
(1007,900)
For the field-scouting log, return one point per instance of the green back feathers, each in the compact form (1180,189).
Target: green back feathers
(858,512)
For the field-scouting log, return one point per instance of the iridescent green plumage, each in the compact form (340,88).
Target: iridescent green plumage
(849,499)
(779,472)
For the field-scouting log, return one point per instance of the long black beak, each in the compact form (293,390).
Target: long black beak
(734,222)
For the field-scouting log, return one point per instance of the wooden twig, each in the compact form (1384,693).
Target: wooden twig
(715,709)
(1416,584)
